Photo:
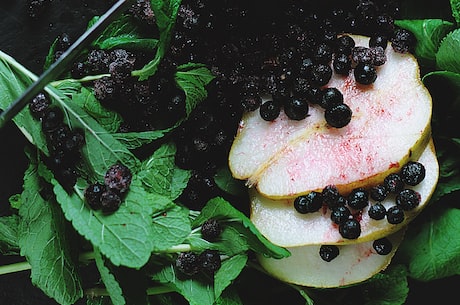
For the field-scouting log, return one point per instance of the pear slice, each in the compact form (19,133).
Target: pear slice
(280,223)
(390,125)
(354,264)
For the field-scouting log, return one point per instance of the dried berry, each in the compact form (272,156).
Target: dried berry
(210,261)
(52,119)
(188,263)
(382,246)
(403,41)
(378,192)
(39,105)
(93,195)
(118,177)
(328,252)
(211,230)
(393,183)
(110,201)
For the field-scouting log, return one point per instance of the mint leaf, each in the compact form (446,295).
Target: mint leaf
(193,78)
(387,288)
(430,250)
(171,227)
(133,140)
(229,297)
(165,14)
(9,234)
(229,270)
(446,57)
(219,208)
(227,183)
(110,283)
(429,34)
(125,237)
(196,290)
(455,6)
(44,241)
(159,173)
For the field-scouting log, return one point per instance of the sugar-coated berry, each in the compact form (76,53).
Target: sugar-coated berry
(408,199)
(110,201)
(188,263)
(378,192)
(93,194)
(328,252)
(118,177)
(210,261)
(211,229)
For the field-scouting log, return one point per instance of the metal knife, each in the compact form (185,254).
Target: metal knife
(64,61)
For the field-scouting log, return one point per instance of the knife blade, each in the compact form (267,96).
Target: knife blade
(64,61)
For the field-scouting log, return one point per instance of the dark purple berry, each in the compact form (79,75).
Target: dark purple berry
(110,201)
(270,110)
(340,214)
(378,192)
(328,252)
(296,109)
(210,261)
(377,211)
(403,41)
(408,199)
(412,173)
(188,263)
(358,199)
(382,246)
(350,229)
(345,44)
(320,74)
(118,177)
(342,64)
(331,196)
(365,73)
(378,56)
(362,55)
(395,215)
(331,97)
(378,41)
(39,105)
(52,119)
(93,195)
(251,101)
(67,177)
(211,229)
(338,116)
(322,53)
(393,183)
(309,203)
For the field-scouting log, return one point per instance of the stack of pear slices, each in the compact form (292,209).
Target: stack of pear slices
(283,159)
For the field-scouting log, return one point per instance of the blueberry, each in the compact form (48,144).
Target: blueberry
(408,199)
(350,229)
(338,116)
(331,97)
(296,108)
(377,211)
(358,199)
(340,214)
(393,183)
(378,192)
(328,252)
(309,203)
(395,215)
(412,173)
(365,73)
(270,110)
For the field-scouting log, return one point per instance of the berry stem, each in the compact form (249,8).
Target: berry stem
(15,267)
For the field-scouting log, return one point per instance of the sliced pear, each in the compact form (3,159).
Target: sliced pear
(279,222)
(390,125)
(355,263)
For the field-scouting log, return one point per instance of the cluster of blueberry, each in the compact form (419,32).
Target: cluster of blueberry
(64,143)
(411,174)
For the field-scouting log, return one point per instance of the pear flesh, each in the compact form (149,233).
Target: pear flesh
(280,223)
(389,126)
(355,263)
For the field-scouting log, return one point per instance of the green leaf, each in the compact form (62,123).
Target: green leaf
(110,283)
(229,271)
(387,288)
(15,201)
(133,140)
(9,234)
(447,55)
(193,78)
(227,183)
(45,242)
(431,250)
(109,120)
(196,290)
(429,34)
(165,14)
(229,297)
(171,227)
(125,237)
(50,57)
(159,173)
(13,82)
(455,6)
(219,208)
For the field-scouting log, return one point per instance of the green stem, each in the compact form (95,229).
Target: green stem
(16,267)
(85,79)
(102,292)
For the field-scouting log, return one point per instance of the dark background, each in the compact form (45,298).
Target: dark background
(28,41)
